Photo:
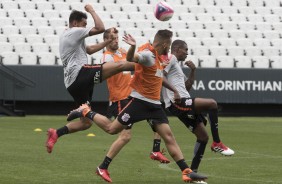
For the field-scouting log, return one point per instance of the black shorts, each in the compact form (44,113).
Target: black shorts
(116,107)
(138,110)
(185,111)
(82,88)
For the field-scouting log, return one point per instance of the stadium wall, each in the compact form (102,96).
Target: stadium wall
(238,91)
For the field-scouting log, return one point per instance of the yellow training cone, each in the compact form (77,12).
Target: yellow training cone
(90,135)
(38,130)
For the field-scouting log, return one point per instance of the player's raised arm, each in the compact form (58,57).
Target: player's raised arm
(190,81)
(131,56)
(99,25)
(91,49)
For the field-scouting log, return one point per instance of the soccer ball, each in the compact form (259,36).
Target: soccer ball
(163,11)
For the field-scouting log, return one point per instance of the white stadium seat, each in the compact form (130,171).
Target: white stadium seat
(219,34)
(14,38)
(28,58)
(200,50)
(225,62)
(260,62)
(253,51)
(191,42)
(39,21)
(27,30)
(51,39)
(10,58)
(243,62)
(22,21)
(244,42)
(61,6)
(226,42)
(34,38)
(207,62)
(8,5)
(22,47)
(234,51)
(44,6)
(27,5)
(3,38)
(6,21)
(48,14)
(218,51)
(32,13)
(13,13)
(54,48)
(260,42)
(9,29)
(46,58)
(277,43)
(276,62)
(271,51)
(210,42)
(56,22)
(45,30)
(40,47)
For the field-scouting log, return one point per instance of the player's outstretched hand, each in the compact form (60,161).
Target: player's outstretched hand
(129,39)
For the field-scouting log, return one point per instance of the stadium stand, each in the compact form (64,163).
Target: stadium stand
(233,33)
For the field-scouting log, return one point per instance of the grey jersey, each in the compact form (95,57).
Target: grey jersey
(73,52)
(177,78)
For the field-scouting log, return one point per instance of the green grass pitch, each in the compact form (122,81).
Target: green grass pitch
(23,157)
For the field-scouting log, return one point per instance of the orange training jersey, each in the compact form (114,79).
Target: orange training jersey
(147,81)
(118,84)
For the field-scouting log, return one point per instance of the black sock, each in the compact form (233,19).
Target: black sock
(213,119)
(182,164)
(157,145)
(91,115)
(199,150)
(105,163)
(62,131)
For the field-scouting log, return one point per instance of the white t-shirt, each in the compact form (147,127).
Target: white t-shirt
(73,52)
(177,78)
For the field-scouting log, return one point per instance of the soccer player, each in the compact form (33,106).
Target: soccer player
(79,77)
(190,109)
(119,91)
(145,102)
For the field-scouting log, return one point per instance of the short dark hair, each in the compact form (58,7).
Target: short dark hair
(163,34)
(108,31)
(177,43)
(77,15)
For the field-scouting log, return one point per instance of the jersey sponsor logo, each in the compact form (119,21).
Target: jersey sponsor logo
(97,77)
(125,117)
(159,73)
(188,102)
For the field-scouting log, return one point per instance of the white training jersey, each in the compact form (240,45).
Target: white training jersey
(72,50)
(177,78)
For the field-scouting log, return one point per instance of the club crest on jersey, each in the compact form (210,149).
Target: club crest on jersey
(125,117)
(159,73)
(188,102)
